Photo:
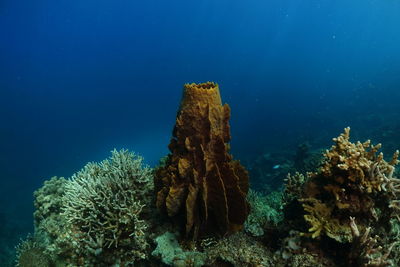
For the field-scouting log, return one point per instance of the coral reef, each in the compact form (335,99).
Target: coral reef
(265,211)
(48,220)
(99,216)
(354,181)
(350,204)
(293,188)
(320,216)
(367,250)
(48,200)
(307,260)
(103,204)
(291,245)
(238,250)
(172,254)
(31,254)
(345,213)
(200,182)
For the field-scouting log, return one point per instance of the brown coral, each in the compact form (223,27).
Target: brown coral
(320,217)
(200,181)
(354,181)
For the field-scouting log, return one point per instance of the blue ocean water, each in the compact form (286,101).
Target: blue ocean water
(79,78)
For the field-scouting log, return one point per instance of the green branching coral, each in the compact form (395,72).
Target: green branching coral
(104,205)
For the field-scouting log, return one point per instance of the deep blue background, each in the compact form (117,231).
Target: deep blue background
(78,78)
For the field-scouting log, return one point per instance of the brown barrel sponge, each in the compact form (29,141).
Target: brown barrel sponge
(200,183)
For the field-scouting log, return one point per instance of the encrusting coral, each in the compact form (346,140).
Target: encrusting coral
(238,250)
(171,253)
(200,181)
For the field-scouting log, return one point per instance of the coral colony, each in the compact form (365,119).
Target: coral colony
(196,208)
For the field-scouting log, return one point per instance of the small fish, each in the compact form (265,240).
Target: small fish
(276,166)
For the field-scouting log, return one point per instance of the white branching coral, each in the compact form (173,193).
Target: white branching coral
(104,205)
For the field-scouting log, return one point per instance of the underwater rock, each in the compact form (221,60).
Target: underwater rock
(200,181)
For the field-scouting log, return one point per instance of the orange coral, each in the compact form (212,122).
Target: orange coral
(200,181)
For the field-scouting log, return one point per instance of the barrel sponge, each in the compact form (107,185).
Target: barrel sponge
(105,205)
(200,180)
